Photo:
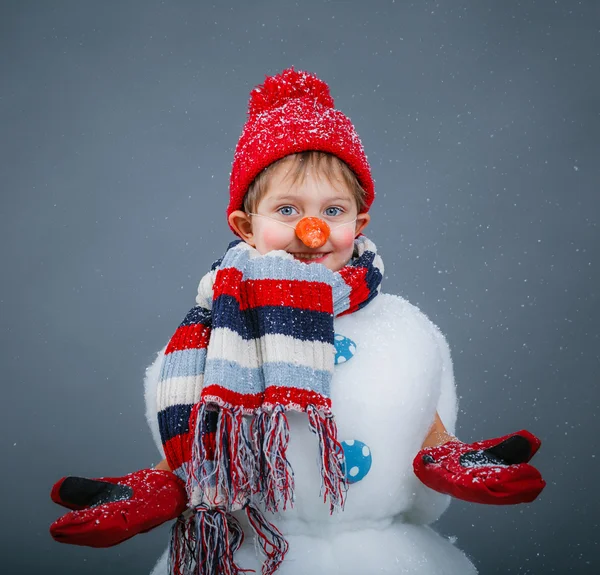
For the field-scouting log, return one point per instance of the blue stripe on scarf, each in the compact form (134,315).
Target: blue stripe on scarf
(284,267)
(217,263)
(174,420)
(230,375)
(187,362)
(365,260)
(371,296)
(253,323)
(373,277)
(197,315)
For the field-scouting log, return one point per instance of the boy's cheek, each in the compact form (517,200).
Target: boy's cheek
(345,236)
(271,238)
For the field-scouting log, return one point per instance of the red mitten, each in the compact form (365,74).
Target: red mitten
(494,471)
(109,510)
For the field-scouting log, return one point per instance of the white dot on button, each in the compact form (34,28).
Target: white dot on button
(353,471)
(349,442)
(365,451)
(341,359)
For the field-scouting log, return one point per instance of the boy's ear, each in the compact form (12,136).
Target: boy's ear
(242,224)
(362,221)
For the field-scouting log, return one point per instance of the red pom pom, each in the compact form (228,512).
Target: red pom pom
(289,85)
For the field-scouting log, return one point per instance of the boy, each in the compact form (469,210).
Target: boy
(260,431)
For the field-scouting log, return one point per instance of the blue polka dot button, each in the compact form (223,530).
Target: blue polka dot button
(358,460)
(345,348)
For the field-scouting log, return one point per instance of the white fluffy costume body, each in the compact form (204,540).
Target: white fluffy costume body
(385,397)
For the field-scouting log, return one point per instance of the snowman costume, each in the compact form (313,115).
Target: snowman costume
(323,390)
(393,371)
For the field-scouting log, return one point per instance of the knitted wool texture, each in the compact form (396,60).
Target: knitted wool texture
(293,112)
(258,343)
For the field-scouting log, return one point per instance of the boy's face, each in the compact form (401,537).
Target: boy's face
(288,203)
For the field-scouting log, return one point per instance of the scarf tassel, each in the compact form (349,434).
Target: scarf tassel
(273,544)
(224,472)
(331,458)
(236,468)
(275,476)
(204,544)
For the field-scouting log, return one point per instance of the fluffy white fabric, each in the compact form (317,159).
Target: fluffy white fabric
(385,396)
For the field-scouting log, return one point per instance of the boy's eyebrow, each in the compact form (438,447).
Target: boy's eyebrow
(294,197)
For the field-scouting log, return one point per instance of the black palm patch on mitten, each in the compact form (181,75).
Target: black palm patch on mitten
(515,449)
(92,492)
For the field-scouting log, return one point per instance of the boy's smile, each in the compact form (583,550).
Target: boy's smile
(312,258)
(285,203)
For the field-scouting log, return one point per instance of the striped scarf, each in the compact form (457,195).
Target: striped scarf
(259,343)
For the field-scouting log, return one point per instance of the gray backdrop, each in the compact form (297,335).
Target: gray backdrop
(119,120)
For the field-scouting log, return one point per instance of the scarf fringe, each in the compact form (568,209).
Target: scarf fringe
(224,470)
(247,460)
(270,539)
(233,433)
(332,461)
(275,476)
(204,544)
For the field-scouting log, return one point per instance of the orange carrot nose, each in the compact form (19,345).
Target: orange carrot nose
(313,232)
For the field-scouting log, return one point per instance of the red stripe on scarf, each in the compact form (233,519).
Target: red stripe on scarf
(274,395)
(193,336)
(249,402)
(356,278)
(311,296)
(292,396)
(227,282)
(178,449)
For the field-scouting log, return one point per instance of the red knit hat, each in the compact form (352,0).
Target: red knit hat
(293,112)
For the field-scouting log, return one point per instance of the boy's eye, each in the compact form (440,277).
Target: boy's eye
(333,211)
(286,210)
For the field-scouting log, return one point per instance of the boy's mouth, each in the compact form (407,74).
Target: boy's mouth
(308,257)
